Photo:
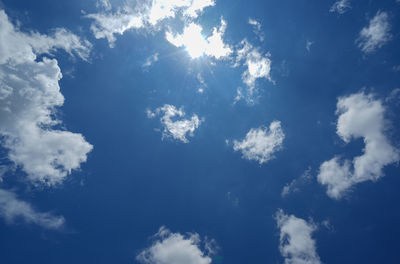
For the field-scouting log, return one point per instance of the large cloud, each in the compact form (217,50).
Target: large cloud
(296,243)
(360,116)
(175,248)
(13,209)
(177,129)
(29,96)
(376,34)
(261,143)
(146,14)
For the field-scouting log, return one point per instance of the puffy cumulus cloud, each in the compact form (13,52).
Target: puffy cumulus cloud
(260,144)
(360,116)
(197,45)
(29,96)
(177,129)
(340,7)
(175,248)
(376,34)
(296,243)
(145,14)
(258,66)
(12,209)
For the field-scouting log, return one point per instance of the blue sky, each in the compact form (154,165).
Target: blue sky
(199,131)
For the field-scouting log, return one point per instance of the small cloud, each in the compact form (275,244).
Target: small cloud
(308,45)
(257,29)
(376,34)
(178,129)
(296,184)
(176,248)
(296,242)
(340,7)
(150,60)
(397,67)
(13,209)
(260,144)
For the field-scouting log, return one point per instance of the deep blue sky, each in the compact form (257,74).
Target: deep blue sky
(134,182)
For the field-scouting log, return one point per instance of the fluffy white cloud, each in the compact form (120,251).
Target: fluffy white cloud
(175,248)
(147,14)
(341,6)
(258,66)
(29,96)
(376,34)
(260,144)
(177,129)
(197,45)
(360,116)
(12,209)
(296,243)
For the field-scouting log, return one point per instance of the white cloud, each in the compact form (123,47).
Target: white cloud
(296,184)
(146,15)
(107,25)
(376,34)
(296,243)
(197,45)
(29,96)
(150,60)
(257,28)
(175,248)
(260,144)
(341,7)
(258,66)
(178,129)
(360,116)
(12,209)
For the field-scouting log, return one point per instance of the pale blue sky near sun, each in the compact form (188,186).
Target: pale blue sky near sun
(199,131)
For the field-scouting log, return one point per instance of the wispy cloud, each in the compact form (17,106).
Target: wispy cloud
(12,209)
(341,7)
(376,34)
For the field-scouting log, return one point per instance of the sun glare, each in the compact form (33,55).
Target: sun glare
(194,41)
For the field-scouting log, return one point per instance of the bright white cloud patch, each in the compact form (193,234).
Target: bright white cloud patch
(175,125)
(29,96)
(197,45)
(258,66)
(12,210)
(340,7)
(360,116)
(376,34)
(175,248)
(260,144)
(296,243)
(145,15)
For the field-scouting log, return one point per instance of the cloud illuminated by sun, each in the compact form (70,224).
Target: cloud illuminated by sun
(197,45)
